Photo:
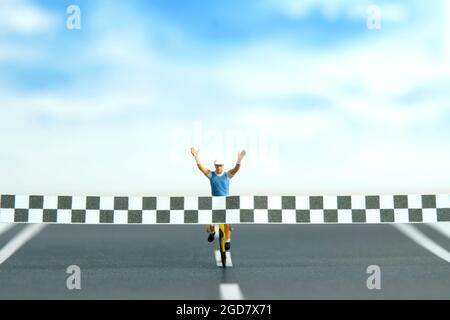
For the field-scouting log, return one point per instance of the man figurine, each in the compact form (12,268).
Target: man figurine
(220,186)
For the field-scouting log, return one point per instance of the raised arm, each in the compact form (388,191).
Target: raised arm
(201,167)
(236,168)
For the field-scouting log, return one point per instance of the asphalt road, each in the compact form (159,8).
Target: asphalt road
(269,262)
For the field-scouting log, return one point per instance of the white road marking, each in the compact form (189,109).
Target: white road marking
(421,239)
(442,227)
(19,240)
(5,227)
(218,258)
(230,291)
(229,263)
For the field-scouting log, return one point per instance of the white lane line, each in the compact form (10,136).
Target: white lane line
(19,240)
(229,263)
(5,227)
(218,258)
(230,291)
(442,227)
(424,241)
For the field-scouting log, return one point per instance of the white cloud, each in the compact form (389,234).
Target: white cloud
(19,53)
(332,9)
(20,16)
(300,9)
(70,109)
(365,80)
(303,125)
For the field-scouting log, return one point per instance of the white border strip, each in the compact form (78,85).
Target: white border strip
(19,240)
(418,237)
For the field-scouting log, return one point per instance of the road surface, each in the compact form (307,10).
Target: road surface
(269,262)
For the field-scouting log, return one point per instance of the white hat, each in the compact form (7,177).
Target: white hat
(218,162)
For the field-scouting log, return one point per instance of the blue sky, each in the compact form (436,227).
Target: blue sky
(322,104)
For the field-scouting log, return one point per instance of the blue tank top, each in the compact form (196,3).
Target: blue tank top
(220,185)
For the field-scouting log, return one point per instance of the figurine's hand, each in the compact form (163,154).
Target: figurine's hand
(241,155)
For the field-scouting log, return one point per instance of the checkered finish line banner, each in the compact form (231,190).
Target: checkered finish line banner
(233,209)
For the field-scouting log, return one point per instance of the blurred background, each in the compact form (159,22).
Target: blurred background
(323,102)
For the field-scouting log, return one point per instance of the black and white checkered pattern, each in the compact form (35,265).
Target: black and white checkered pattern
(233,209)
